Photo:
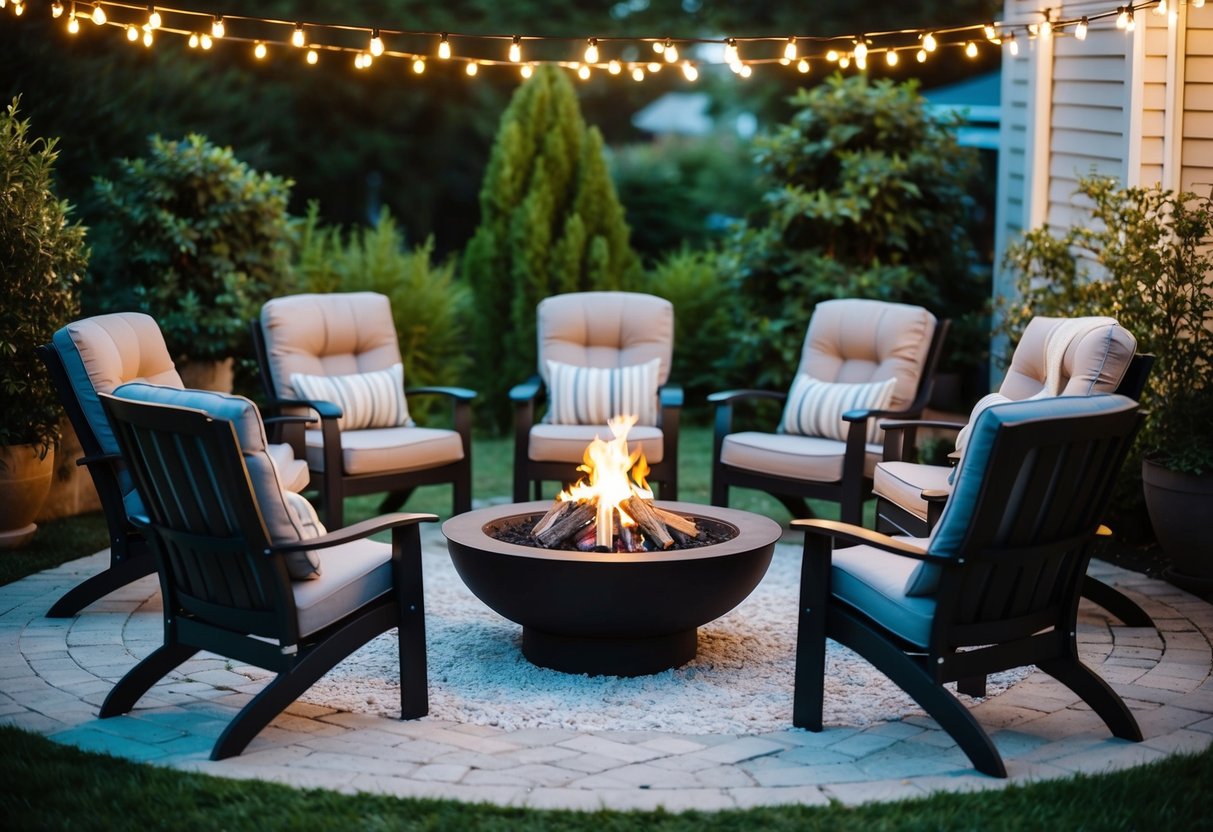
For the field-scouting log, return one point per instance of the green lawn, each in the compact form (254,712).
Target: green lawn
(47,786)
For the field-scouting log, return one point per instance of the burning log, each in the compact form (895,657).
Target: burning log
(566,525)
(640,510)
(587,539)
(559,508)
(676,522)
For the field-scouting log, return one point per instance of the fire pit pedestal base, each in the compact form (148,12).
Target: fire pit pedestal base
(619,614)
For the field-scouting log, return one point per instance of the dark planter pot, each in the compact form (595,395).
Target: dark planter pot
(1179,506)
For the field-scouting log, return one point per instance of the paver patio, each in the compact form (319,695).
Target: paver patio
(54,674)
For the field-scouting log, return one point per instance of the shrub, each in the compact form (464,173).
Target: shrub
(196,239)
(550,222)
(42,256)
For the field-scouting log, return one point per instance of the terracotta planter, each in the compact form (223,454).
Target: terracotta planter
(208,375)
(1179,506)
(25,480)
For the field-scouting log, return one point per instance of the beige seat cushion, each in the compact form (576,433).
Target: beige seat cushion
(376,450)
(1092,364)
(796,457)
(351,575)
(605,329)
(567,443)
(902,483)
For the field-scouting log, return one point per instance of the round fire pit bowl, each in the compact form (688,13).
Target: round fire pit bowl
(610,613)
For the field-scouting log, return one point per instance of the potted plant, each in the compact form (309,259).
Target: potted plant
(42,255)
(1145,260)
(198,240)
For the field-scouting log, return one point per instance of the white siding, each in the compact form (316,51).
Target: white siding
(1197,149)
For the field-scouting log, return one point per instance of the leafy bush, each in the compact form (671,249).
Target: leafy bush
(196,239)
(549,223)
(428,304)
(868,199)
(1143,259)
(42,256)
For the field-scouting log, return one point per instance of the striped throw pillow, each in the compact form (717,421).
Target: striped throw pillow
(367,400)
(815,408)
(592,395)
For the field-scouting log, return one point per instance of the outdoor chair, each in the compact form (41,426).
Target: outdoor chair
(995,587)
(93,356)
(246,569)
(338,355)
(862,360)
(1089,356)
(600,354)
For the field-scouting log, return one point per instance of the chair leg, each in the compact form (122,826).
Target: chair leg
(808,691)
(1097,693)
(140,678)
(1115,602)
(103,583)
(972,686)
(720,487)
(334,503)
(462,488)
(410,604)
(798,507)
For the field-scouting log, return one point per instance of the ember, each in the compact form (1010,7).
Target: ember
(611,509)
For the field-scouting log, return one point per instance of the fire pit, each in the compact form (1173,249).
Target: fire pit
(612,613)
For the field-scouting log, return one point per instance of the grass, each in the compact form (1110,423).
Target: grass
(48,786)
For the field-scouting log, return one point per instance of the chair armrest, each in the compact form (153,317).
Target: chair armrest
(325,410)
(351,533)
(730,396)
(462,394)
(527,391)
(906,424)
(858,535)
(935,495)
(97,459)
(670,395)
(286,420)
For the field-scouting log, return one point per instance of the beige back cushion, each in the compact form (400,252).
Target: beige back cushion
(1094,363)
(857,341)
(605,330)
(328,335)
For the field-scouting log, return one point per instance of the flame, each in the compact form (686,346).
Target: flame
(613,474)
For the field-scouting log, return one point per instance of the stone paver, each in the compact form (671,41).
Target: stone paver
(55,673)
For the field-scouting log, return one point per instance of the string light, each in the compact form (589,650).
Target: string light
(591,51)
(689,71)
(1080,31)
(637,74)
(376,45)
(193,41)
(1198,4)
(658,47)
(583,72)
(803,66)
(132,32)
(614,67)
(971,49)
(527,71)
(516,50)
(472,68)
(297,36)
(746,71)
(832,56)
(789,50)
(259,51)
(153,17)
(419,66)
(991,32)
(1012,45)
(921,56)
(206,40)
(18,8)
(730,52)
(929,43)
(444,48)
(73,25)
(1122,18)
(860,52)
(1131,24)
(891,58)
(1046,26)
(217,28)
(361,61)
(56,10)
(654,67)
(99,14)
(148,38)
(670,53)
(1161,8)
(844,61)
(313,57)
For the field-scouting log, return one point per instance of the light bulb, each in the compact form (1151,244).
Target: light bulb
(789,49)
(591,51)
(832,55)
(297,36)
(802,66)
(860,52)
(658,47)
(844,61)
(1198,4)
(1080,31)
(99,14)
(1046,28)
(1122,18)
(472,68)
(670,53)
(929,43)
(1012,45)
(1161,8)
(971,49)
(1132,22)
(638,73)
(153,17)
(206,41)
(217,28)
(313,57)
(148,38)
(921,56)
(56,9)
(654,67)
(689,71)
(527,70)
(259,51)
(193,41)
(861,63)
(746,71)
(18,8)
(583,72)
(376,44)
(444,49)
(730,51)
(614,67)
(419,66)
(73,25)
(891,58)
(132,32)
(516,50)
(990,32)
(358,61)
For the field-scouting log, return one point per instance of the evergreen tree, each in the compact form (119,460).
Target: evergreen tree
(550,222)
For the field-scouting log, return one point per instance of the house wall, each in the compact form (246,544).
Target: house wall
(1196,156)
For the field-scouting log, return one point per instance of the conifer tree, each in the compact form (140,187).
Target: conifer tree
(550,222)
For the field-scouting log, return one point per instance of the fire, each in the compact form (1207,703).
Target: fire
(613,474)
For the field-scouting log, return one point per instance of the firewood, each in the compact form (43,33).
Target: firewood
(605,525)
(569,523)
(559,507)
(676,522)
(587,539)
(640,511)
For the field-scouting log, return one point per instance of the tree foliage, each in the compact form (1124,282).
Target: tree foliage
(195,238)
(868,199)
(42,257)
(550,222)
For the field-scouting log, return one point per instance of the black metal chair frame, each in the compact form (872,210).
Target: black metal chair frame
(334,484)
(854,487)
(998,606)
(225,586)
(532,392)
(901,445)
